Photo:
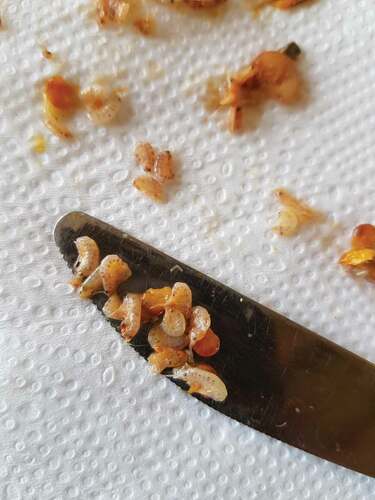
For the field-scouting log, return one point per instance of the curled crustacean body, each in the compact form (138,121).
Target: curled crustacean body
(108,275)
(202,382)
(113,271)
(200,322)
(132,308)
(173,323)
(92,284)
(102,104)
(167,358)
(181,298)
(159,340)
(176,329)
(112,308)
(87,260)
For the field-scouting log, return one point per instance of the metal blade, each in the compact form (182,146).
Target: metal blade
(282,379)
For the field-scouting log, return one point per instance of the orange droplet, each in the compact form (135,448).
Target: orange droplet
(208,346)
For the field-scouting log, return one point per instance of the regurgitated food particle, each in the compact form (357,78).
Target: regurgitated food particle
(60,101)
(272,75)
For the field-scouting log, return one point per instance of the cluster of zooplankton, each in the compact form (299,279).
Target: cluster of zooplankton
(177,329)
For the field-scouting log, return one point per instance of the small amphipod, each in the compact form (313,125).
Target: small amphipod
(113,271)
(167,358)
(132,308)
(200,322)
(202,382)
(159,340)
(181,298)
(174,322)
(87,260)
(92,284)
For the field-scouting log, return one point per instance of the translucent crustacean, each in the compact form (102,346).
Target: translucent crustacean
(87,260)
(150,187)
(92,284)
(172,346)
(181,298)
(200,322)
(167,358)
(174,322)
(202,382)
(159,340)
(132,307)
(145,156)
(154,300)
(102,104)
(113,271)
(112,308)
(163,167)
(294,214)
(159,168)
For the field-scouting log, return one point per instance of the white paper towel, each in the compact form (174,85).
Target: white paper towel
(80,414)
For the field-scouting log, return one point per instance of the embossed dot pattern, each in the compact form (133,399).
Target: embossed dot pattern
(80,414)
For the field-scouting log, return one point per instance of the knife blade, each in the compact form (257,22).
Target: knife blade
(282,379)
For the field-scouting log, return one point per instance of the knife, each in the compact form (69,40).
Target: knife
(282,379)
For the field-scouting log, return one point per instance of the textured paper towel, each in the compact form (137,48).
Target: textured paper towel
(80,414)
